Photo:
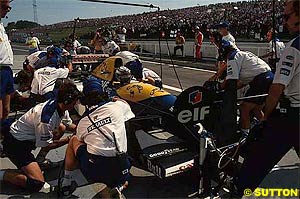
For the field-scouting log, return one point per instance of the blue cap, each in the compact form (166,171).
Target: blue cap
(136,69)
(227,47)
(223,24)
(55,50)
(92,84)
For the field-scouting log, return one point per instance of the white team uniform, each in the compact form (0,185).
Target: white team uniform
(122,36)
(76,44)
(38,59)
(110,118)
(110,47)
(6,53)
(66,53)
(38,123)
(44,79)
(229,37)
(279,48)
(288,72)
(244,66)
(150,73)
(127,56)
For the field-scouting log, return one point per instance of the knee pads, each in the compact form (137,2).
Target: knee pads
(33,185)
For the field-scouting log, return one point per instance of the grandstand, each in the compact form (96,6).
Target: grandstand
(248,19)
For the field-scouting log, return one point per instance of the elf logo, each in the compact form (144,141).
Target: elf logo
(195,97)
(195,115)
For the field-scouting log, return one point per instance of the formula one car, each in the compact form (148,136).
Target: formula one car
(171,134)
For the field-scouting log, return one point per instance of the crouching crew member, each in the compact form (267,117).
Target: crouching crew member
(100,138)
(152,77)
(133,63)
(51,56)
(35,60)
(36,128)
(281,129)
(250,70)
(43,83)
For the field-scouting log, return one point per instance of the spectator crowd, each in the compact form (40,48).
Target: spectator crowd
(248,19)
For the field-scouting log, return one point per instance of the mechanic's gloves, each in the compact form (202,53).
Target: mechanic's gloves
(158,83)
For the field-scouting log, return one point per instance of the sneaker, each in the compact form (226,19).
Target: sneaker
(47,188)
(230,190)
(117,191)
(47,164)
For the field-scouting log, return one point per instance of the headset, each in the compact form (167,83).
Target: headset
(67,91)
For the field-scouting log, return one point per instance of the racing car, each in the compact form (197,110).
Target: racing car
(171,134)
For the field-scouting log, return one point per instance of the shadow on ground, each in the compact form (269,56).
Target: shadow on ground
(152,187)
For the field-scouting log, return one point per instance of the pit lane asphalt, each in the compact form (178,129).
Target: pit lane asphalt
(144,185)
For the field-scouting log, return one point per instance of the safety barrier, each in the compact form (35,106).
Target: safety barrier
(208,50)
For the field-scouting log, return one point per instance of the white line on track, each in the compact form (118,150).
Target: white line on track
(185,67)
(151,62)
(172,88)
(173,65)
(16,45)
(19,49)
(199,69)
